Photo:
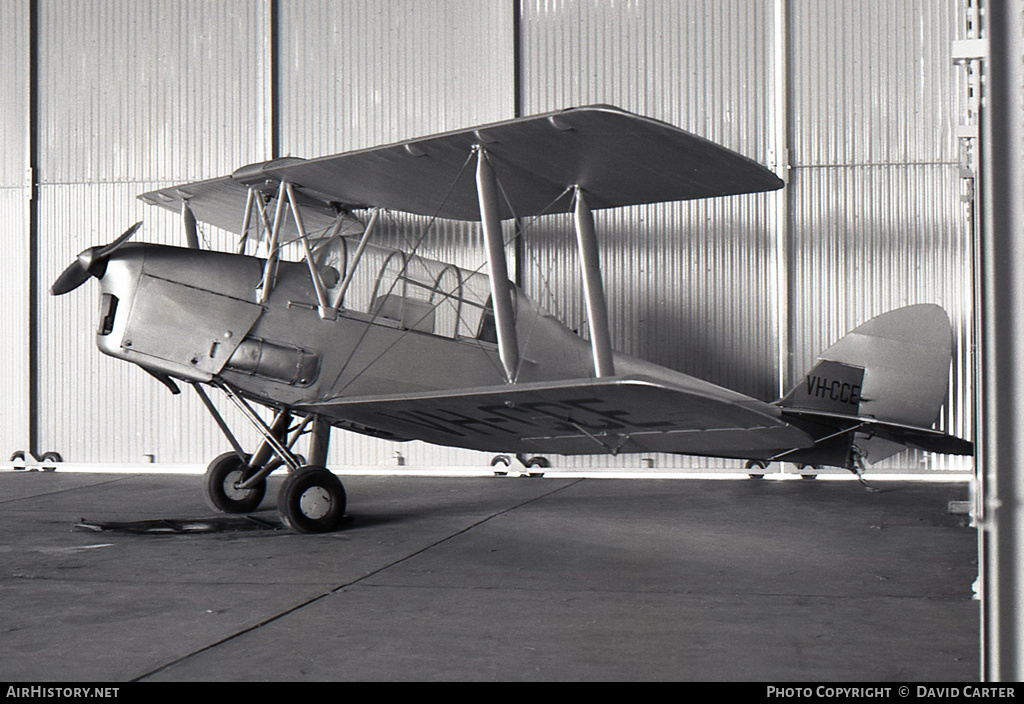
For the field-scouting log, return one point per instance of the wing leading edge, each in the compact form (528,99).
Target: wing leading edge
(617,158)
(581,416)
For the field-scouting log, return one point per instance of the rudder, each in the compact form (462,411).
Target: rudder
(888,379)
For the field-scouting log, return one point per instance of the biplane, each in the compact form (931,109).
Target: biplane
(355,335)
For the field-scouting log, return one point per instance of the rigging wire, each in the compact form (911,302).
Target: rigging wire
(375,314)
(413,254)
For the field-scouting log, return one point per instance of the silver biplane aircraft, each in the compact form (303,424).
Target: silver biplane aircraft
(384,342)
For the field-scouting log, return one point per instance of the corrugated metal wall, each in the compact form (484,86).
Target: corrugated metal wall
(876,213)
(358,74)
(690,285)
(132,96)
(14,191)
(138,94)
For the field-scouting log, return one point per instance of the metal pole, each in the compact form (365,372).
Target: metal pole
(593,289)
(1002,338)
(32,180)
(781,197)
(497,267)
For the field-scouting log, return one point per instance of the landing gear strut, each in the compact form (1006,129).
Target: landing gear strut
(311,499)
(223,477)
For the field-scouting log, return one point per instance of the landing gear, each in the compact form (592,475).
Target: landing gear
(500,462)
(223,477)
(855,463)
(808,475)
(756,464)
(311,500)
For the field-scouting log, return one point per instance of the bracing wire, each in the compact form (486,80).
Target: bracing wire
(446,296)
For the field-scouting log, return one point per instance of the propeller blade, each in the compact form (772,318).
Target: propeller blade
(109,249)
(91,262)
(70,279)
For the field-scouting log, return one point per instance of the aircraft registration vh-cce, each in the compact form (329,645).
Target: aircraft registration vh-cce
(381,341)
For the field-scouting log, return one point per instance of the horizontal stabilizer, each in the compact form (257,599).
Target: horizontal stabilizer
(925,439)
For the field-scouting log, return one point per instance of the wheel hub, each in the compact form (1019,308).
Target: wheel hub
(231,482)
(315,502)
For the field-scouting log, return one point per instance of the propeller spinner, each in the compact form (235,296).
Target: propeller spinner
(91,262)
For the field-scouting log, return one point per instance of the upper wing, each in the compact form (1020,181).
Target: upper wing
(579,416)
(616,157)
(221,203)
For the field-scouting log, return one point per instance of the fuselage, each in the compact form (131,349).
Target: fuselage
(197,315)
(194,315)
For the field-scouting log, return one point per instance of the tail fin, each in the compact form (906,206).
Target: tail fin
(894,368)
(891,372)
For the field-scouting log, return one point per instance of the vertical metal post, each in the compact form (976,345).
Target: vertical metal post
(497,267)
(519,243)
(273,51)
(593,289)
(781,198)
(1002,338)
(32,184)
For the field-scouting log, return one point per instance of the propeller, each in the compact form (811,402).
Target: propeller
(91,262)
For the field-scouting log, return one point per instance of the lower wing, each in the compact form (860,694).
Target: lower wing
(580,416)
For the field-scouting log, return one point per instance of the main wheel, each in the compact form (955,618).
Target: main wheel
(756,464)
(221,477)
(311,500)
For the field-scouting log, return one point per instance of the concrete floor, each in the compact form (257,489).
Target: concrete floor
(491,579)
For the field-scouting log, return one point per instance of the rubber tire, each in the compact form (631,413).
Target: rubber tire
(221,473)
(328,495)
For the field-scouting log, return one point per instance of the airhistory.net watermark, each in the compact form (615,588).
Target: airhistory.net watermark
(61,692)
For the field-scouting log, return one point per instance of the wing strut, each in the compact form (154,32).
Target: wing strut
(501,291)
(340,296)
(250,200)
(270,267)
(325,309)
(593,289)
